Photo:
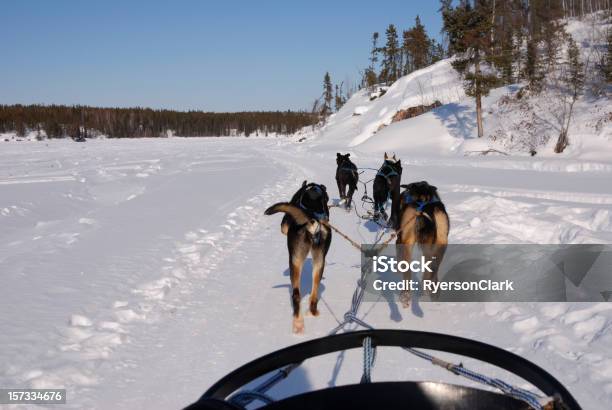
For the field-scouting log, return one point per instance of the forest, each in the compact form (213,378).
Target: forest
(60,121)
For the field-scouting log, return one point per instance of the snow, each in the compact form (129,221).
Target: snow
(136,273)
(146,302)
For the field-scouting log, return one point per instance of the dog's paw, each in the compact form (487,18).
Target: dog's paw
(298,325)
(405,299)
(313,312)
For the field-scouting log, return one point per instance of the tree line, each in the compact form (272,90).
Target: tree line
(397,58)
(59,121)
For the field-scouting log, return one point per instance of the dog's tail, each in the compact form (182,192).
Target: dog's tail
(298,215)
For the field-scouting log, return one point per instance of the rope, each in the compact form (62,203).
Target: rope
(369,355)
(342,234)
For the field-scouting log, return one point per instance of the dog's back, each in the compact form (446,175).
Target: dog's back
(424,219)
(346,172)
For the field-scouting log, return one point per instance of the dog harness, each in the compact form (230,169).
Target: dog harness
(390,171)
(318,216)
(386,171)
(420,205)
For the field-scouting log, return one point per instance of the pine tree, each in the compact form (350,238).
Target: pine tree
(390,67)
(339,98)
(370,78)
(436,52)
(328,96)
(533,72)
(407,63)
(469,30)
(607,63)
(374,52)
(420,44)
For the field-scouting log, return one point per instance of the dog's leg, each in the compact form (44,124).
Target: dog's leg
(438,248)
(406,240)
(350,195)
(340,190)
(318,265)
(297,254)
(395,206)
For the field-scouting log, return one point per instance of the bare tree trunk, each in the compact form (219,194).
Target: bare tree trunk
(562,142)
(479,115)
(492,21)
(478,101)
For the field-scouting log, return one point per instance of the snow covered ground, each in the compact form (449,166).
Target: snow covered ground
(138,272)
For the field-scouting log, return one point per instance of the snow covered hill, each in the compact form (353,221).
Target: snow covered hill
(136,273)
(513,125)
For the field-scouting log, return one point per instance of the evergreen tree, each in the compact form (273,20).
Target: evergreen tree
(328,96)
(607,63)
(469,30)
(374,52)
(419,45)
(533,68)
(370,78)
(390,65)
(339,98)
(436,52)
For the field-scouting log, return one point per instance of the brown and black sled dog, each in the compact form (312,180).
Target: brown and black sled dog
(306,233)
(423,221)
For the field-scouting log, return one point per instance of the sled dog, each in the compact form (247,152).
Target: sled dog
(387,186)
(346,175)
(306,233)
(423,221)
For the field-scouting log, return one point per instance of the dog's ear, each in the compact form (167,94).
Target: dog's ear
(386,157)
(323,187)
(338,155)
(394,155)
(304,183)
(399,162)
(348,155)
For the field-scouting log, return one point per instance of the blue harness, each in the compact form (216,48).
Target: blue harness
(420,205)
(391,171)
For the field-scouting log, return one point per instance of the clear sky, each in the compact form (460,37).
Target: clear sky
(208,55)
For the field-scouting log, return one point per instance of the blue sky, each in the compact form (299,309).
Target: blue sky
(205,55)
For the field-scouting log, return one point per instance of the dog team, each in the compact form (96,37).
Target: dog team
(418,216)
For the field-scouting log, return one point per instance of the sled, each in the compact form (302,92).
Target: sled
(226,394)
